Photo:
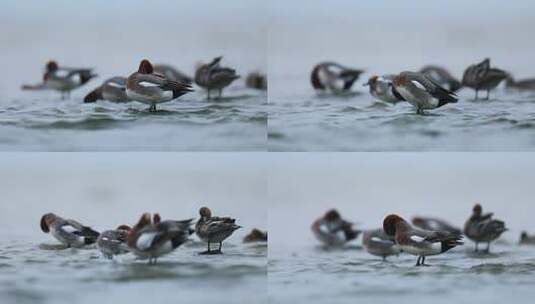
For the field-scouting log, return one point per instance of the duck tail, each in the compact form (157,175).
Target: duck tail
(451,242)
(94,95)
(350,76)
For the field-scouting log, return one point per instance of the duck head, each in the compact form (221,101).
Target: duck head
(332,215)
(124,227)
(477,210)
(46,221)
(145,67)
(205,213)
(371,82)
(392,223)
(156,218)
(52,66)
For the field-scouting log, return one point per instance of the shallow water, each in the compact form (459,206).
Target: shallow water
(300,120)
(31,272)
(36,123)
(316,275)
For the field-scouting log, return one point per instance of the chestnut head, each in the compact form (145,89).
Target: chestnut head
(390,224)
(145,67)
(52,66)
(477,209)
(46,220)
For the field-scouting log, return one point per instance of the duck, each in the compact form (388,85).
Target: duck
(422,92)
(113,89)
(378,243)
(333,77)
(148,240)
(172,73)
(332,230)
(69,232)
(442,77)
(520,85)
(113,242)
(256,80)
(434,224)
(483,228)
(255,236)
(65,79)
(526,239)
(419,242)
(481,76)
(148,87)
(212,76)
(381,87)
(212,229)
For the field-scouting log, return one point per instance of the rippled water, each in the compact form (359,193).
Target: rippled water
(33,272)
(305,121)
(317,275)
(41,121)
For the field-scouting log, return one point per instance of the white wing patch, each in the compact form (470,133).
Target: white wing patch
(115,84)
(148,84)
(69,229)
(418,85)
(145,240)
(417,239)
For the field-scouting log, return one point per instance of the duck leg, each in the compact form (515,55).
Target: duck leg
(423,262)
(488,248)
(418,261)
(220,245)
(209,251)
(488,95)
(152,107)
(477,243)
(476,93)
(420,111)
(208,94)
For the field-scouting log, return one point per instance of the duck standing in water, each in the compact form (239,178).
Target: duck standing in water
(148,240)
(113,89)
(69,232)
(151,88)
(481,76)
(526,239)
(62,79)
(113,242)
(422,92)
(378,243)
(332,230)
(418,242)
(481,228)
(214,229)
(333,77)
(212,76)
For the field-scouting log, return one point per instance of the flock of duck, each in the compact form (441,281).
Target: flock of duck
(430,88)
(425,237)
(150,238)
(150,84)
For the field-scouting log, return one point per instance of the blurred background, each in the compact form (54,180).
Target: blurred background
(387,37)
(365,187)
(104,190)
(113,36)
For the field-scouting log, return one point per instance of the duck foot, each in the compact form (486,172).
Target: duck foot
(152,108)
